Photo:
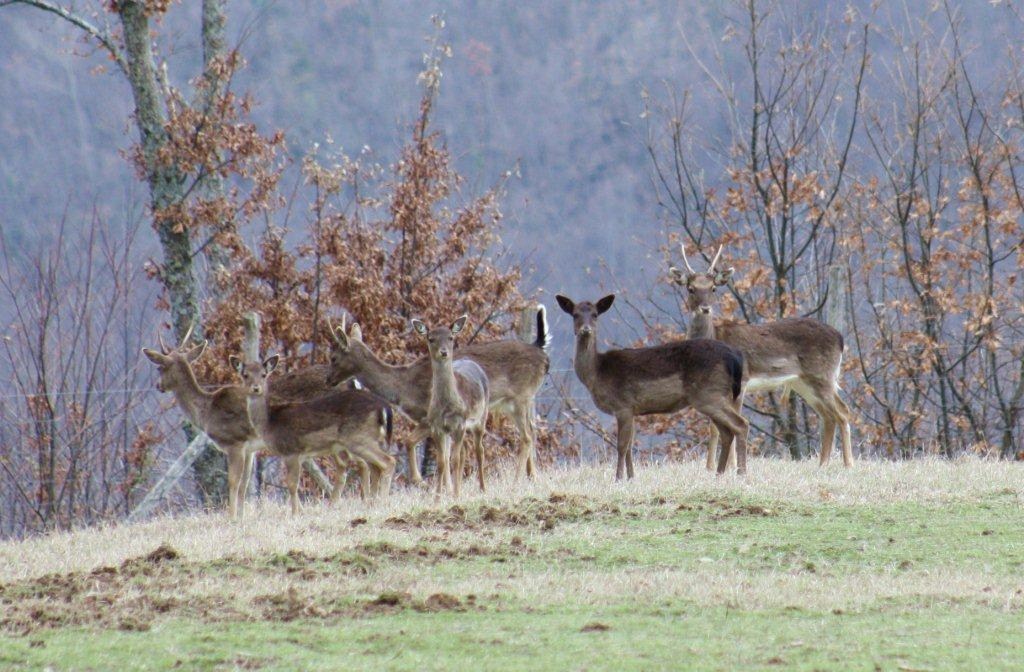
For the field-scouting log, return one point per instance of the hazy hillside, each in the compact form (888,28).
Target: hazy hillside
(553,86)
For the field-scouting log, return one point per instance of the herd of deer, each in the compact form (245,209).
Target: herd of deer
(449,394)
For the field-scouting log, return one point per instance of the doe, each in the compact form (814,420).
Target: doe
(459,396)
(704,374)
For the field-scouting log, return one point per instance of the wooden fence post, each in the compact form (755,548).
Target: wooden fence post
(836,309)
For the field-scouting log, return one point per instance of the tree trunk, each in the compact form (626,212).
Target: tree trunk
(218,262)
(166,184)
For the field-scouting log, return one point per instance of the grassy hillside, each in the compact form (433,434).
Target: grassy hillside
(907,566)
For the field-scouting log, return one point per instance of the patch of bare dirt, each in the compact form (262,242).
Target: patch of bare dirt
(441,602)
(132,596)
(723,508)
(595,626)
(289,606)
(544,514)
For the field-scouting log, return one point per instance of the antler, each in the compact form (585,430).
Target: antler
(188,335)
(330,327)
(682,248)
(711,268)
(163,346)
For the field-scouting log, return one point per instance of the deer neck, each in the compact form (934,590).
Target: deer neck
(194,401)
(443,388)
(585,361)
(256,405)
(387,381)
(701,326)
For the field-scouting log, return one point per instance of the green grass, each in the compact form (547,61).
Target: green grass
(672,636)
(645,577)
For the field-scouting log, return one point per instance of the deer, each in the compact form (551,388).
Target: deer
(222,413)
(514,370)
(459,396)
(798,353)
(701,373)
(350,420)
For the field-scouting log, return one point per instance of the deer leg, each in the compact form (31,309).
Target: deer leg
(821,396)
(531,463)
(442,448)
(412,461)
(828,433)
(368,479)
(389,471)
(522,421)
(843,411)
(250,459)
(625,446)
(458,451)
(341,476)
(236,468)
(818,395)
(379,466)
(724,449)
(413,466)
(478,441)
(712,447)
(739,428)
(293,469)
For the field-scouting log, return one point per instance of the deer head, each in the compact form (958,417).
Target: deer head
(585,313)
(440,341)
(254,374)
(345,352)
(700,287)
(173,363)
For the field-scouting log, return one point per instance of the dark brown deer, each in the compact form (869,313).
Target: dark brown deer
(514,369)
(800,353)
(353,421)
(703,374)
(459,395)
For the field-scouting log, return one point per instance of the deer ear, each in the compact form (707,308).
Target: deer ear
(419,327)
(340,338)
(155,357)
(356,332)
(604,304)
(196,352)
(270,363)
(724,276)
(236,363)
(565,303)
(459,324)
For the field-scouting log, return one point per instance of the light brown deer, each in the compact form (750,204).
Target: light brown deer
(222,414)
(459,396)
(514,369)
(703,374)
(353,421)
(800,353)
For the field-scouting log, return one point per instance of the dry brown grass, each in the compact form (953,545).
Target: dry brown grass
(321,529)
(410,552)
